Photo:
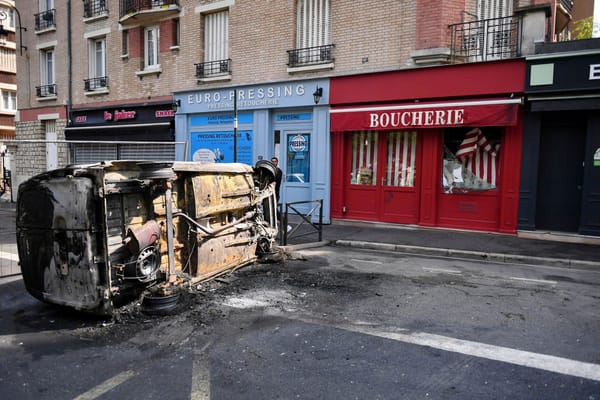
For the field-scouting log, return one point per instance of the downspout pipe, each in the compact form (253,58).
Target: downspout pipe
(69,64)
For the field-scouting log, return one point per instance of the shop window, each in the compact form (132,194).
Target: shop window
(364,158)
(298,158)
(401,159)
(471,160)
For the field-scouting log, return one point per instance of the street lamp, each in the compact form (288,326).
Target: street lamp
(4,32)
(318,94)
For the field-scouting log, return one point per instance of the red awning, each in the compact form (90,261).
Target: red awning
(486,112)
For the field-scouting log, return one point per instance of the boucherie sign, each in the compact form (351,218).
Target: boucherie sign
(489,112)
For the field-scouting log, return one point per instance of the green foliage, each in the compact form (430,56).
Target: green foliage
(583,28)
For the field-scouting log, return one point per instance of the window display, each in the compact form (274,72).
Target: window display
(401,159)
(364,158)
(471,160)
(298,158)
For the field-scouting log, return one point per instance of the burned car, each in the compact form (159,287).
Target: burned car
(95,237)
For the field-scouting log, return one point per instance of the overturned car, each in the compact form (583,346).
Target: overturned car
(95,237)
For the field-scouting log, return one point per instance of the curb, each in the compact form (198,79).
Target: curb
(473,255)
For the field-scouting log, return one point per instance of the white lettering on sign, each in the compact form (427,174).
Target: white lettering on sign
(247,97)
(594,71)
(417,118)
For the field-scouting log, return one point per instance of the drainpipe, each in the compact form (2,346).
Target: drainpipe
(69,64)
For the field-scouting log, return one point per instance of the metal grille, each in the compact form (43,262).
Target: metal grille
(310,56)
(485,40)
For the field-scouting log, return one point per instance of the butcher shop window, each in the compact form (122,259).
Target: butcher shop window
(471,159)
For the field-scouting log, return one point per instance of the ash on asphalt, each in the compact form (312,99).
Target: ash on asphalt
(290,285)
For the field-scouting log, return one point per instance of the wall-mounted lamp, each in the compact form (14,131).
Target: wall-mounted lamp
(176,104)
(4,32)
(318,93)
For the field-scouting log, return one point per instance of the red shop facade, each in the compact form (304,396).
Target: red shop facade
(434,147)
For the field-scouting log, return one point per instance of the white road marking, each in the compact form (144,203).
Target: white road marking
(444,271)
(495,353)
(366,261)
(106,386)
(523,358)
(200,375)
(9,256)
(545,282)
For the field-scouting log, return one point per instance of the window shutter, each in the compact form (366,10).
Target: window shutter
(313,23)
(216,36)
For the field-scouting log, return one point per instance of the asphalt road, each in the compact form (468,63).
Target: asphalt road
(336,324)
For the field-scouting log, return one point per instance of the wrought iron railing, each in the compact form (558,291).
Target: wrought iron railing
(310,56)
(45,20)
(485,40)
(92,84)
(213,68)
(93,8)
(134,6)
(567,5)
(46,90)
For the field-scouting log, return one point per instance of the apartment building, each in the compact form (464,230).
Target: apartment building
(8,90)
(241,80)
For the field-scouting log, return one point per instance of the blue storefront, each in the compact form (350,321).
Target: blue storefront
(288,120)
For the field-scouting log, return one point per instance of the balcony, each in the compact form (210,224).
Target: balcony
(46,90)
(318,56)
(93,84)
(133,12)
(213,69)
(485,40)
(94,8)
(45,20)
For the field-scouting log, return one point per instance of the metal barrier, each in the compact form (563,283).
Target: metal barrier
(304,221)
(9,258)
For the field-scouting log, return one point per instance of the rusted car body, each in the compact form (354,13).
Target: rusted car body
(95,237)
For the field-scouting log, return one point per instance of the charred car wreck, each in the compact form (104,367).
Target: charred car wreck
(96,237)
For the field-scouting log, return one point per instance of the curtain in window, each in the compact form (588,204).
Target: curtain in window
(216,27)
(312,23)
(364,158)
(401,159)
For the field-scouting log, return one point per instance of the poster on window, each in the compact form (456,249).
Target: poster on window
(218,147)
(298,158)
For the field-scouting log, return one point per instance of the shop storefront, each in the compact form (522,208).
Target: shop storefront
(140,132)
(287,120)
(437,147)
(561,146)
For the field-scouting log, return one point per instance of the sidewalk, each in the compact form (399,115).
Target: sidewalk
(440,242)
(463,244)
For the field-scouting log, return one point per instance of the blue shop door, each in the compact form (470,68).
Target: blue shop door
(296,169)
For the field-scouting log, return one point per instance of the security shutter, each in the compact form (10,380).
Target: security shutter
(156,152)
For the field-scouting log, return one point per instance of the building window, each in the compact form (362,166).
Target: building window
(94,8)
(216,33)
(8,60)
(97,65)
(151,48)
(471,159)
(124,43)
(175,32)
(9,100)
(97,58)
(313,23)
(47,67)
(9,18)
